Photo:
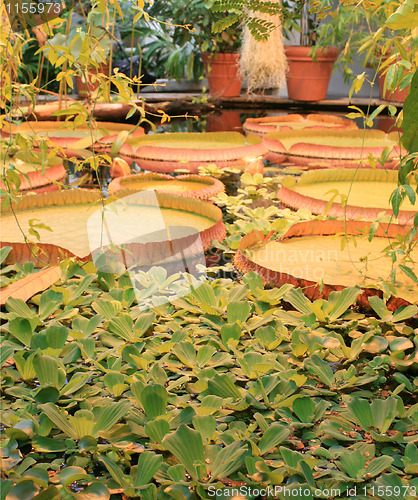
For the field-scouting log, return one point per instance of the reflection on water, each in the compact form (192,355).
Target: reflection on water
(233,119)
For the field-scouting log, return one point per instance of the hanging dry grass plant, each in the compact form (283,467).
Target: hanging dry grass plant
(264,63)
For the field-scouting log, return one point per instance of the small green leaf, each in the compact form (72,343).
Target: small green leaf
(321,369)
(109,415)
(222,386)
(273,436)
(343,300)
(352,462)
(361,412)
(48,445)
(238,312)
(205,425)
(378,305)
(71,474)
(187,446)
(49,371)
(154,400)
(23,490)
(230,332)
(304,409)
(148,464)
(157,429)
(94,491)
(22,330)
(378,465)
(186,353)
(4,252)
(19,308)
(409,272)
(122,326)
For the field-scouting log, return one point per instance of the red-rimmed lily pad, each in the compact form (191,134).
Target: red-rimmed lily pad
(335,148)
(267,124)
(310,256)
(34,176)
(74,219)
(188,151)
(99,135)
(365,193)
(190,186)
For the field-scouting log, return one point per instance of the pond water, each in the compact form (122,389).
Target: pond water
(233,119)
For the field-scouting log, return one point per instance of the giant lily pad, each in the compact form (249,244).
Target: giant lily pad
(187,151)
(310,256)
(365,191)
(332,148)
(267,124)
(190,186)
(34,176)
(145,225)
(100,135)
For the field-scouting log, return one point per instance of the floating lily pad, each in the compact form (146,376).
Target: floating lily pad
(100,134)
(262,126)
(147,225)
(34,177)
(310,256)
(190,186)
(335,148)
(268,124)
(366,191)
(188,151)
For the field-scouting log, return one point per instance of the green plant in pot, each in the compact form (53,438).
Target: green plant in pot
(178,42)
(219,50)
(310,61)
(392,54)
(358,30)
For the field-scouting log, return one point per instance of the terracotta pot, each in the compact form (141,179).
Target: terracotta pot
(85,88)
(390,95)
(308,79)
(222,74)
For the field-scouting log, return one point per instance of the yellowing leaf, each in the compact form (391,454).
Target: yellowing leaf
(26,287)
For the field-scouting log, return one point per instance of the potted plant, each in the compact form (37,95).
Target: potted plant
(360,31)
(392,56)
(179,42)
(219,49)
(311,60)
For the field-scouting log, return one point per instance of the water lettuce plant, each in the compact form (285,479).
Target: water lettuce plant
(225,387)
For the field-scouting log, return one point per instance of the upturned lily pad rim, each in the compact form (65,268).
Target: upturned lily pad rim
(151,155)
(267,124)
(34,126)
(52,253)
(149,146)
(214,186)
(102,136)
(297,147)
(38,179)
(294,200)
(311,289)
